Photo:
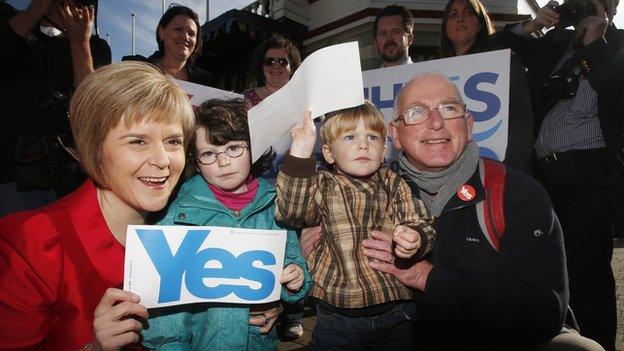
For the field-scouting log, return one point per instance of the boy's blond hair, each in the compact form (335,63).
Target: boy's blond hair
(341,121)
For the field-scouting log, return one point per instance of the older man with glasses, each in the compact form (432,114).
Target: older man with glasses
(470,294)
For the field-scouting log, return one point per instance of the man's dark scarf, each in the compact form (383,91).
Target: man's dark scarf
(437,188)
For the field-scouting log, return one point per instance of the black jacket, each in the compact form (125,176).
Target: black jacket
(30,71)
(606,78)
(541,55)
(480,299)
(195,74)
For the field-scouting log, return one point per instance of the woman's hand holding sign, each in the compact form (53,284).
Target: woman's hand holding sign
(264,316)
(117,320)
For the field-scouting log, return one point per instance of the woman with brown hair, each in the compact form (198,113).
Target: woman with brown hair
(61,266)
(467,29)
(179,43)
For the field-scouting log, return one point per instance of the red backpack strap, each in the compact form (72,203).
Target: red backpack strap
(490,211)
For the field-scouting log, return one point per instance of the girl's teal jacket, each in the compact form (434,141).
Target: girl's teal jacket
(219,326)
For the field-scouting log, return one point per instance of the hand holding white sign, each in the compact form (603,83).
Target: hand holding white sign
(114,323)
(203,264)
(330,79)
(304,138)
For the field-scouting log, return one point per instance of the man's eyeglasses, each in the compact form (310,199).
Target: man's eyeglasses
(210,157)
(270,61)
(419,113)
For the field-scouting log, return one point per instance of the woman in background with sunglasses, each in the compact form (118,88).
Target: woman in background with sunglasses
(278,59)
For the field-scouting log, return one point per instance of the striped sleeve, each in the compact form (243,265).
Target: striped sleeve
(297,184)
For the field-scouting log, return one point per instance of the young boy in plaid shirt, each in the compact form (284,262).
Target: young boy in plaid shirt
(357,307)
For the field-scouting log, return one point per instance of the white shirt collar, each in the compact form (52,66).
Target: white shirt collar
(405,61)
(50,31)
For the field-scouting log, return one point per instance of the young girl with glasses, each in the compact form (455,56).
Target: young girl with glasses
(227,191)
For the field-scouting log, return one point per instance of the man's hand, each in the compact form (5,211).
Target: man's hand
(407,241)
(380,250)
(292,276)
(593,27)
(115,322)
(265,316)
(304,138)
(309,239)
(546,17)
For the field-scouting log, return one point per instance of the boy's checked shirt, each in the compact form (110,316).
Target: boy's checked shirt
(349,209)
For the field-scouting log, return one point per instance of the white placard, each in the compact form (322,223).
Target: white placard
(329,79)
(174,265)
(198,93)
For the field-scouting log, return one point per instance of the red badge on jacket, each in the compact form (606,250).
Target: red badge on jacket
(466,192)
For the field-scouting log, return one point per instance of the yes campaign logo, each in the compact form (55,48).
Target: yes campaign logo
(203,264)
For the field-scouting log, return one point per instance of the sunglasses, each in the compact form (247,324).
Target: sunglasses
(270,61)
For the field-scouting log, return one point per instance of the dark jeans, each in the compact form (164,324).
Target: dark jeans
(581,187)
(393,330)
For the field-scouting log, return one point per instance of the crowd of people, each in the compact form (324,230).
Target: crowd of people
(454,251)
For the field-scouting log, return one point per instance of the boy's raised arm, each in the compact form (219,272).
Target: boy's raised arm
(297,180)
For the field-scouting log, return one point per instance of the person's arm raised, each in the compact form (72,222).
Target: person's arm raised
(297,182)
(304,138)
(77,22)
(593,27)
(546,17)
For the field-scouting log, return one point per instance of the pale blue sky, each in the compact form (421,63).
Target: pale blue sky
(114,19)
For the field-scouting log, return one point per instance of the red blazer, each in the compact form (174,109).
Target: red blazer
(55,264)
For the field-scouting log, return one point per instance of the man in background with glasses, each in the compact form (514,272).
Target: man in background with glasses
(471,295)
